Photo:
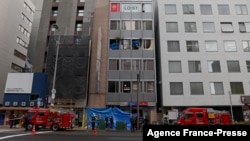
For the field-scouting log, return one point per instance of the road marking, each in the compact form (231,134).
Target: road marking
(11,136)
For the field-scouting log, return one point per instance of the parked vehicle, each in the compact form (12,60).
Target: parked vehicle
(54,119)
(204,116)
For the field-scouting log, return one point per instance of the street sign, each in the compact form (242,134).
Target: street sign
(53,91)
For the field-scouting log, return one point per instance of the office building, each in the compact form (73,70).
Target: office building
(15,30)
(204,54)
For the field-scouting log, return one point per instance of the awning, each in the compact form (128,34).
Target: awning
(14,108)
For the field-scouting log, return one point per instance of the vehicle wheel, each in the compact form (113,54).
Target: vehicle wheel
(30,126)
(55,127)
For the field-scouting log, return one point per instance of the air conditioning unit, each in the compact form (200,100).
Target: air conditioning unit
(32,103)
(23,104)
(7,103)
(15,103)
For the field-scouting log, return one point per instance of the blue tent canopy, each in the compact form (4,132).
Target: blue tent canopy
(117,114)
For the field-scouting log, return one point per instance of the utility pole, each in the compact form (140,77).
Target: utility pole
(53,91)
(231,106)
(138,90)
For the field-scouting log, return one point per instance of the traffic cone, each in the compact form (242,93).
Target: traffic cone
(95,132)
(33,129)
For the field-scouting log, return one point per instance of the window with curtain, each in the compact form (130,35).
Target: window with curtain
(196,88)
(171,27)
(213,66)
(233,66)
(194,66)
(211,46)
(174,66)
(176,88)
(173,46)
(170,9)
(237,87)
(190,27)
(216,88)
(206,9)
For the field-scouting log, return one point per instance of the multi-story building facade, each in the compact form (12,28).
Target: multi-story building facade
(204,54)
(66,26)
(15,30)
(131,69)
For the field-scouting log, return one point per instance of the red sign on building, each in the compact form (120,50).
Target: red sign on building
(115,7)
(143,103)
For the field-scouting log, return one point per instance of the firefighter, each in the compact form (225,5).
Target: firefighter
(26,121)
(93,121)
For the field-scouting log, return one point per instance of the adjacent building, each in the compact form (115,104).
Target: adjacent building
(131,64)
(204,54)
(15,30)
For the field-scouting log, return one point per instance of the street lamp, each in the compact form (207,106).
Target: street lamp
(53,91)
(138,89)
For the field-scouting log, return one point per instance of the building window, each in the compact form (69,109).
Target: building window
(113,64)
(170,9)
(147,25)
(131,25)
(113,87)
(136,44)
(192,46)
(241,9)
(176,88)
(136,65)
(230,46)
(148,65)
(208,27)
(125,44)
(194,66)
(149,87)
(188,9)
(246,45)
(226,27)
(56,1)
(174,66)
(146,7)
(244,27)
(114,44)
(135,86)
(237,88)
(213,66)
(216,88)
(196,88)
(190,27)
(80,11)
(126,65)
(211,46)
(114,25)
(126,86)
(248,65)
(54,11)
(206,9)
(79,26)
(233,66)
(223,10)
(172,26)
(19,55)
(173,46)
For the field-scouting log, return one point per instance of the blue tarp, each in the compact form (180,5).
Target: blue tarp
(117,114)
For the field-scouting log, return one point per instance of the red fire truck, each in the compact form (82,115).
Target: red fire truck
(54,119)
(204,116)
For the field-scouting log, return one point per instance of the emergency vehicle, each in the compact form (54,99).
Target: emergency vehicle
(204,116)
(54,119)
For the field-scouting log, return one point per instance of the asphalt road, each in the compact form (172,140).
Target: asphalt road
(68,135)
